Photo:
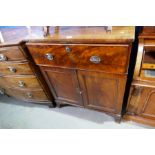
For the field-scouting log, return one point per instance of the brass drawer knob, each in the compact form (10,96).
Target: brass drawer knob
(2,91)
(68,49)
(49,56)
(95,59)
(28,95)
(21,83)
(3,57)
(12,69)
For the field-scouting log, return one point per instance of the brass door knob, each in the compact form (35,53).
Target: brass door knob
(12,69)
(49,56)
(95,59)
(3,57)
(67,49)
(28,95)
(79,91)
(21,83)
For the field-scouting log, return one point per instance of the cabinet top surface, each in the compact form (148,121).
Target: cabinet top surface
(67,34)
(148,32)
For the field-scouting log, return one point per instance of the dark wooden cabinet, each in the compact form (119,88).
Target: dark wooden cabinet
(81,66)
(86,72)
(141,102)
(63,84)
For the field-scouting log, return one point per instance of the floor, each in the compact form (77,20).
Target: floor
(19,114)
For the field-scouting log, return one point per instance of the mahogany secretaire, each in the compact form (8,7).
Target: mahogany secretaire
(141,102)
(85,66)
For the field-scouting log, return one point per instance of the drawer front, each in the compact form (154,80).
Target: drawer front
(27,81)
(27,95)
(9,68)
(12,53)
(110,58)
(51,55)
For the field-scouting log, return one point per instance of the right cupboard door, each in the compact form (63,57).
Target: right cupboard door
(102,91)
(145,102)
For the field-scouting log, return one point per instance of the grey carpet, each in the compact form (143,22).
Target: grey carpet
(19,114)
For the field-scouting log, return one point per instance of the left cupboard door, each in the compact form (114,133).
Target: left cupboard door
(63,84)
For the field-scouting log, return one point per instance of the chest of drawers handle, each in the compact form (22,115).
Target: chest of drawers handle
(12,69)
(21,84)
(49,56)
(28,95)
(67,49)
(95,59)
(3,57)
(2,91)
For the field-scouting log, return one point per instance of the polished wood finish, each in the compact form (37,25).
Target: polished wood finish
(15,68)
(113,58)
(83,34)
(82,71)
(28,95)
(141,108)
(19,81)
(148,29)
(13,53)
(102,91)
(140,120)
(69,34)
(148,66)
(19,77)
(64,85)
(141,100)
(83,66)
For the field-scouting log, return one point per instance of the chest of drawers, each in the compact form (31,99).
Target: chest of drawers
(86,72)
(17,76)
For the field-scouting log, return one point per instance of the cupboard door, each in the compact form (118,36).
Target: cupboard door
(146,102)
(63,84)
(102,91)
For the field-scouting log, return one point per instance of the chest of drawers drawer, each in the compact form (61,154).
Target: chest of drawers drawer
(23,82)
(12,53)
(27,95)
(109,58)
(15,68)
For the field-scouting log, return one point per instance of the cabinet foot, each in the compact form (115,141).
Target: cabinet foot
(118,119)
(59,105)
(51,106)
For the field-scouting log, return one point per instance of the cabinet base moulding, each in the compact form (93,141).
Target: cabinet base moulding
(139,120)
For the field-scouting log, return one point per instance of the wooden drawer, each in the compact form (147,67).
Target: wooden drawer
(27,95)
(15,68)
(27,81)
(110,58)
(12,53)
(50,55)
